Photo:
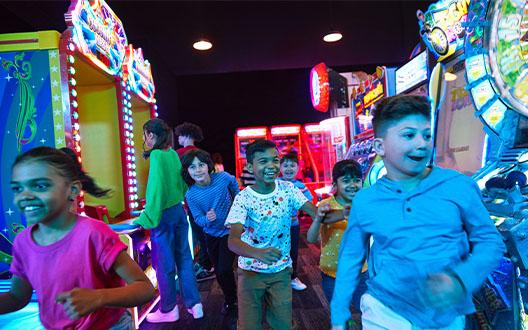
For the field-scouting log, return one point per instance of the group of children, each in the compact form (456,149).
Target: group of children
(424,231)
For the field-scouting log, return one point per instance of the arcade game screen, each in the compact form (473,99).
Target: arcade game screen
(460,136)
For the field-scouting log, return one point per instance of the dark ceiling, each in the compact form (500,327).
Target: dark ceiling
(247,35)
(257,72)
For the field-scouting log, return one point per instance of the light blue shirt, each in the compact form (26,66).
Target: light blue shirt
(440,226)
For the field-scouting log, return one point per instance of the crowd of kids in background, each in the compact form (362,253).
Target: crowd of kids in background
(407,252)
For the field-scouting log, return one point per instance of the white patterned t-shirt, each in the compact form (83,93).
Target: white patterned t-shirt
(267,220)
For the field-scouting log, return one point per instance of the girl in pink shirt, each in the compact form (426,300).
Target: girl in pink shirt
(76,265)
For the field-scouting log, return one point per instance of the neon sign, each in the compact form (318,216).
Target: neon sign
(138,73)
(442,27)
(320,87)
(98,33)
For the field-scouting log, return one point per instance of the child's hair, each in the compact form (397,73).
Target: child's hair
(346,167)
(258,146)
(163,134)
(66,163)
(393,109)
(188,158)
(292,156)
(189,129)
(217,158)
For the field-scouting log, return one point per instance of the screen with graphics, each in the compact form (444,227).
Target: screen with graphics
(460,136)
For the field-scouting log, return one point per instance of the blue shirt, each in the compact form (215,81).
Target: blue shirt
(302,187)
(218,195)
(440,226)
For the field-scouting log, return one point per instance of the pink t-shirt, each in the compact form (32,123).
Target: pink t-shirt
(81,259)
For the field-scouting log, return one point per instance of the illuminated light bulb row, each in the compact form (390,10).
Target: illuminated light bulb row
(128,148)
(74,104)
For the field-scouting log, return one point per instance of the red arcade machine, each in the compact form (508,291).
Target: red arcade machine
(287,138)
(243,137)
(364,101)
(312,146)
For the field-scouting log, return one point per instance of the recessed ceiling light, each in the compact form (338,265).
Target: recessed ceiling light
(333,36)
(202,44)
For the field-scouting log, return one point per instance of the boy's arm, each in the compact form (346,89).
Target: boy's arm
(80,302)
(352,254)
(309,208)
(18,296)
(199,217)
(313,232)
(484,240)
(235,244)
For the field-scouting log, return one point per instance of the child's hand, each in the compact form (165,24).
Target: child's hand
(321,212)
(268,255)
(211,215)
(79,302)
(443,290)
(346,210)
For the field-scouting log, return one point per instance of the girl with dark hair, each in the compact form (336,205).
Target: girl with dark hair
(347,180)
(88,262)
(209,199)
(165,216)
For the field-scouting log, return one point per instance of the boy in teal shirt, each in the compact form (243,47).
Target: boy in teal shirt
(434,242)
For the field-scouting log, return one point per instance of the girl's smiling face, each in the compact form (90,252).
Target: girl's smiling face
(41,193)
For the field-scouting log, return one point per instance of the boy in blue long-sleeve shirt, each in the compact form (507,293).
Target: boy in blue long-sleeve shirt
(434,242)
(209,198)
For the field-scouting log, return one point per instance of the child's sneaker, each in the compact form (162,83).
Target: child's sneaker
(158,316)
(203,274)
(297,285)
(196,311)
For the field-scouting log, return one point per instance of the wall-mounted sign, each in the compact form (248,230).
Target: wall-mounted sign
(98,33)
(139,75)
(320,87)
(412,73)
(441,27)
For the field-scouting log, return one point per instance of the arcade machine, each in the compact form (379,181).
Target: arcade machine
(496,51)
(138,90)
(364,101)
(312,140)
(329,93)
(287,138)
(57,88)
(243,137)
(459,137)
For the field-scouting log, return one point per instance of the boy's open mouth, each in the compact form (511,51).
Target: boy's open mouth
(417,158)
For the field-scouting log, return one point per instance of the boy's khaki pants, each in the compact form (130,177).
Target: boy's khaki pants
(274,290)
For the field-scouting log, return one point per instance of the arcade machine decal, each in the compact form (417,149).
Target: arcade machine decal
(442,27)
(27,120)
(364,102)
(99,34)
(460,136)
